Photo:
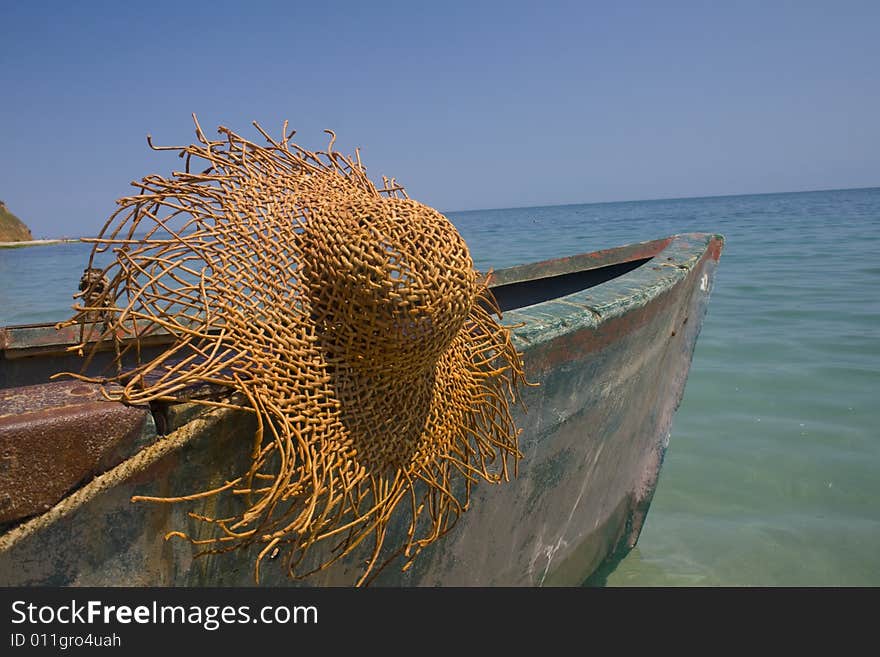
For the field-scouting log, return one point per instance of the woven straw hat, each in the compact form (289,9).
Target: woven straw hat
(348,317)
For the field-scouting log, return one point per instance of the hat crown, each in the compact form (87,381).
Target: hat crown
(390,282)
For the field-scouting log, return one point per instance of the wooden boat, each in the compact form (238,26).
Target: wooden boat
(609,336)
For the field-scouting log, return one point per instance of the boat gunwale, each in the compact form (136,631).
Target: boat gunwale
(607,299)
(672,261)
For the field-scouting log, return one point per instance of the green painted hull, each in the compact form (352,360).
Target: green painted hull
(611,355)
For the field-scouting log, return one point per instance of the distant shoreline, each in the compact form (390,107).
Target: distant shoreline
(17,245)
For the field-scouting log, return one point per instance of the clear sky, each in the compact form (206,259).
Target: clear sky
(469,104)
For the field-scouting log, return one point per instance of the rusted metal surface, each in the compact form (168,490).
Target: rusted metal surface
(611,360)
(55,436)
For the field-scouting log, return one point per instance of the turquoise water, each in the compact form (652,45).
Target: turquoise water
(773,471)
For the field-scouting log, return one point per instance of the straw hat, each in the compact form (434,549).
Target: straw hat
(348,317)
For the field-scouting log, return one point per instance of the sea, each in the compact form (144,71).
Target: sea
(772,477)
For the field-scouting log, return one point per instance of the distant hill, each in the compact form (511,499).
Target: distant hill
(12,229)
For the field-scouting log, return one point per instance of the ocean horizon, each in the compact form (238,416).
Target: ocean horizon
(563,205)
(670,198)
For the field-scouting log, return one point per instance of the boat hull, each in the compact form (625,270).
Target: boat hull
(611,362)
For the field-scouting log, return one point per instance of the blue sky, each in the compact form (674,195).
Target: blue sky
(469,104)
